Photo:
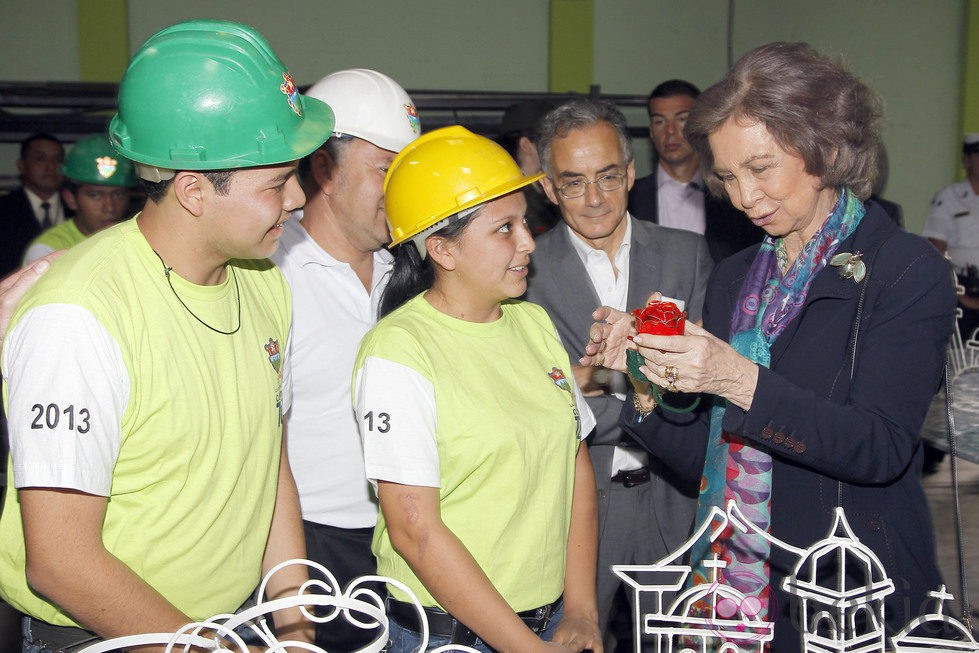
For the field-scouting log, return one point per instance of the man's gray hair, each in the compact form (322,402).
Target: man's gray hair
(578,114)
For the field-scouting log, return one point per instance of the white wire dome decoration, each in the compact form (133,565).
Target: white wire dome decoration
(829,609)
(359,605)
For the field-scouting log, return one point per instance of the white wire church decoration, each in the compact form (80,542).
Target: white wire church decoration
(837,617)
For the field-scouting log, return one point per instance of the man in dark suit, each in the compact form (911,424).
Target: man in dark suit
(674,195)
(601,256)
(36,205)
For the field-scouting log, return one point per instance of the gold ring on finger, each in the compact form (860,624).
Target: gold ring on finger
(672,375)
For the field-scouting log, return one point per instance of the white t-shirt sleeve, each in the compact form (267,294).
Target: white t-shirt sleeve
(585,415)
(36,251)
(395,410)
(68,387)
(588,421)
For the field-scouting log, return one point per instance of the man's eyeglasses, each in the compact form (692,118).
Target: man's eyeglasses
(605,183)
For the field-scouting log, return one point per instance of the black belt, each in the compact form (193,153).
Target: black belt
(632,477)
(443,624)
(61,639)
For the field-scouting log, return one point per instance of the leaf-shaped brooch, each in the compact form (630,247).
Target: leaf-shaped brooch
(851,266)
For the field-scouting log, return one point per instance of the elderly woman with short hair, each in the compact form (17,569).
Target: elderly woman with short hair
(821,348)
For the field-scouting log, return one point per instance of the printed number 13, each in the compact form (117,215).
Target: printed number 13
(383,422)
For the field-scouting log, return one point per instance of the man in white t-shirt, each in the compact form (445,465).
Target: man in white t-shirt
(337,268)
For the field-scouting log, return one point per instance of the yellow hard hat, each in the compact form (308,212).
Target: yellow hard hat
(444,172)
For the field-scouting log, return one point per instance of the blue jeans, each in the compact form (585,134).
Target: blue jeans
(408,641)
(32,645)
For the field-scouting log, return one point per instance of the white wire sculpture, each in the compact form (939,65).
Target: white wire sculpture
(963,355)
(359,605)
(830,611)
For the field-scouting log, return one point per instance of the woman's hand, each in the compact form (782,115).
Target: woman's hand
(608,339)
(578,627)
(554,647)
(701,363)
(579,633)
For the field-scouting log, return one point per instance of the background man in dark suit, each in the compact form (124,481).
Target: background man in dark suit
(36,205)
(518,136)
(599,255)
(674,195)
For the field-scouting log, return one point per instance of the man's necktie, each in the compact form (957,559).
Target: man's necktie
(46,218)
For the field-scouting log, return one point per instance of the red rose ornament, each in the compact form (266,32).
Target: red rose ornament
(660,318)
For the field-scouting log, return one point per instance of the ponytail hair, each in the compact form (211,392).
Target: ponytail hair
(410,275)
(413,272)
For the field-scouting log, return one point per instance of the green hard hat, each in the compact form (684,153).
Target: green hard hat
(92,160)
(211,95)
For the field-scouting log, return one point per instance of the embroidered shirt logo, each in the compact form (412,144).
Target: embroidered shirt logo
(561,381)
(106,166)
(275,360)
(413,118)
(557,375)
(291,92)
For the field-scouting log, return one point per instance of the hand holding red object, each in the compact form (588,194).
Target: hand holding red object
(660,318)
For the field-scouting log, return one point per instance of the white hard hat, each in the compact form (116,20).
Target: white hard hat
(369,105)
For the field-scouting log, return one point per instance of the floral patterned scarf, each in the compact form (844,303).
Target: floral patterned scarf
(735,468)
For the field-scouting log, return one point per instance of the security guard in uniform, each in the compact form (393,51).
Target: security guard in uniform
(952,226)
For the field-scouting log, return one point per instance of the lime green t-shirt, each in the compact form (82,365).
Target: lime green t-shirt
(113,388)
(60,236)
(487,413)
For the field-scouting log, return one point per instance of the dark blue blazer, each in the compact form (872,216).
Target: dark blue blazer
(835,441)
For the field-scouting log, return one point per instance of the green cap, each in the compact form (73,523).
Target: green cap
(92,160)
(211,95)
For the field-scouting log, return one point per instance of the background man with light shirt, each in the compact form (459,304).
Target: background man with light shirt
(600,256)
(36,205)
(674,195)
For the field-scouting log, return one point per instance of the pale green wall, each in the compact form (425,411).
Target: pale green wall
(424,44)
(38,50)
(911,51)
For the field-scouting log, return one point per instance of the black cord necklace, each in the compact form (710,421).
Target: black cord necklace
(166,272)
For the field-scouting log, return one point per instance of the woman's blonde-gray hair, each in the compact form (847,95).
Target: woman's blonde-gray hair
(812,106)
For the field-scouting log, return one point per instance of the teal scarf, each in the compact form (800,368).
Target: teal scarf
(737,468)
